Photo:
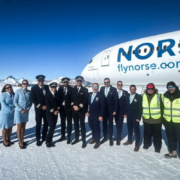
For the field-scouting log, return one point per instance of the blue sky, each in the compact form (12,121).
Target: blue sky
(59,37)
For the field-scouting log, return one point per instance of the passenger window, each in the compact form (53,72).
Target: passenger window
(90,61)
(145,50)
(133,51)
(164,47)
(151,49)
(157,48)
(128,52)
(139,51)
(123,54)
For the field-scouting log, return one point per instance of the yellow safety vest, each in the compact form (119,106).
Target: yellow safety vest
(171,110)
(153,110)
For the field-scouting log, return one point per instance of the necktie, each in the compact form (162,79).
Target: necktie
(131,98)
(92,97)
(106,91)
(119,94)
(43,90)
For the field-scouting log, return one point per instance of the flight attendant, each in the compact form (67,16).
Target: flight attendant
(38,93)
(119,118)
(95,114)
(22,102)
(134,113)
(79,103)
(65,93)
(53,108)
(111,107)
(7,114)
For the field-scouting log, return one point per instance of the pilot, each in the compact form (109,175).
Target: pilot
(171,118)
(111,107)
(133,111)
(53,108)
(119,118)
(38,93)
(95,114)
(65,92)
(79,103)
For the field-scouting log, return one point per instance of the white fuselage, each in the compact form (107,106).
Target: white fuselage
(153,59)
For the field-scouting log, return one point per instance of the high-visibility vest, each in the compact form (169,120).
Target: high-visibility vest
(153,109)
(171,110)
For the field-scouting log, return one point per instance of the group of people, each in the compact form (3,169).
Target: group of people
(106,104)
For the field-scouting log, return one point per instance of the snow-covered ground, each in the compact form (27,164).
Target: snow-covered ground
(74,163)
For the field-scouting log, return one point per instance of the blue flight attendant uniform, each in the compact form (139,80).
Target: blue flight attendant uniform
(22,101)
(111,105)
(7,110)
(96,110)
(119,118)
(133,112)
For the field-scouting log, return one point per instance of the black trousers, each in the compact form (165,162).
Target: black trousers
(153,130)
(94,124)
(66,114)
(79,117)
(173,134)
(133,124)
(39,115)
(119,118)
(52,121)
(108,124)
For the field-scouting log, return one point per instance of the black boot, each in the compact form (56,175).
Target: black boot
(38,143)
(103,140)
(69,140)
(111,142)
(62,138)
(84,144)
(75,141)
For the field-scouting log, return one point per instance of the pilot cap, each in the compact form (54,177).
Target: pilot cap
(171,83)
(150,86)
(80,78)
(53,84)
(65,79)
(40,77)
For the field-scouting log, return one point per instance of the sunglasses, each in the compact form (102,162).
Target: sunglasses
(8,87)
(170,87)
(25,83)
(65,82)
(79,80)
(150,89)
(120,85)
(95,87)
(107,82)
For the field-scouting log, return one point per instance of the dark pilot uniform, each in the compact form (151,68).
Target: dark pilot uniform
(119,118)
(96,110)
(53,104)
(111,105)
(79,98)
(65,93)
(133,112)
(38,98)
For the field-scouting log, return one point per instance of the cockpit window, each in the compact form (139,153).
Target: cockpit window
(90,61)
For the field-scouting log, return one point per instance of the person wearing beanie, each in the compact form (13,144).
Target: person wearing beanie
(152,117)
(171,118)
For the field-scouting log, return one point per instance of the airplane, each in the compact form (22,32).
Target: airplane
(153,59)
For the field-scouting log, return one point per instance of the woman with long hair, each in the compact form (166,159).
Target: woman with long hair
(23,103)
(7,114)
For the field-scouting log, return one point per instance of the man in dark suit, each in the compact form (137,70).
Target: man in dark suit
(95,114)
(65,93)
(53,108)
(79,103)
(38,93)
(119,118)
(134,113)
(111,107)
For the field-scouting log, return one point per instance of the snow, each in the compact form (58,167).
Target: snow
(74,163)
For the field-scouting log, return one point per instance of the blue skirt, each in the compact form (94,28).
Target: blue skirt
(20,118)
(6,120)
